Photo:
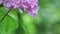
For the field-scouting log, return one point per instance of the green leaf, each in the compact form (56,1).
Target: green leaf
(12,13)
(28,24)
(8,25)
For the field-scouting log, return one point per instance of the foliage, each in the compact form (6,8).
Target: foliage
(46,22)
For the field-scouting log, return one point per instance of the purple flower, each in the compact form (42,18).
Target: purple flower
(1,2)
(11,3)
(29,6)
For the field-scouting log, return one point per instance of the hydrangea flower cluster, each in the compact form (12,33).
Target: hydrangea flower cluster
(29,6)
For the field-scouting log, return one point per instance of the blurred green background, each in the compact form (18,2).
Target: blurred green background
(46,22)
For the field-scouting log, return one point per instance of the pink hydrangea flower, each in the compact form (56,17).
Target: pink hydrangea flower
(1,2)
(11,3)
(29,6)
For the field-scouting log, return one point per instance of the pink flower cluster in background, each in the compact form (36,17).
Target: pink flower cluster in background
(1,2)
(29,6)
